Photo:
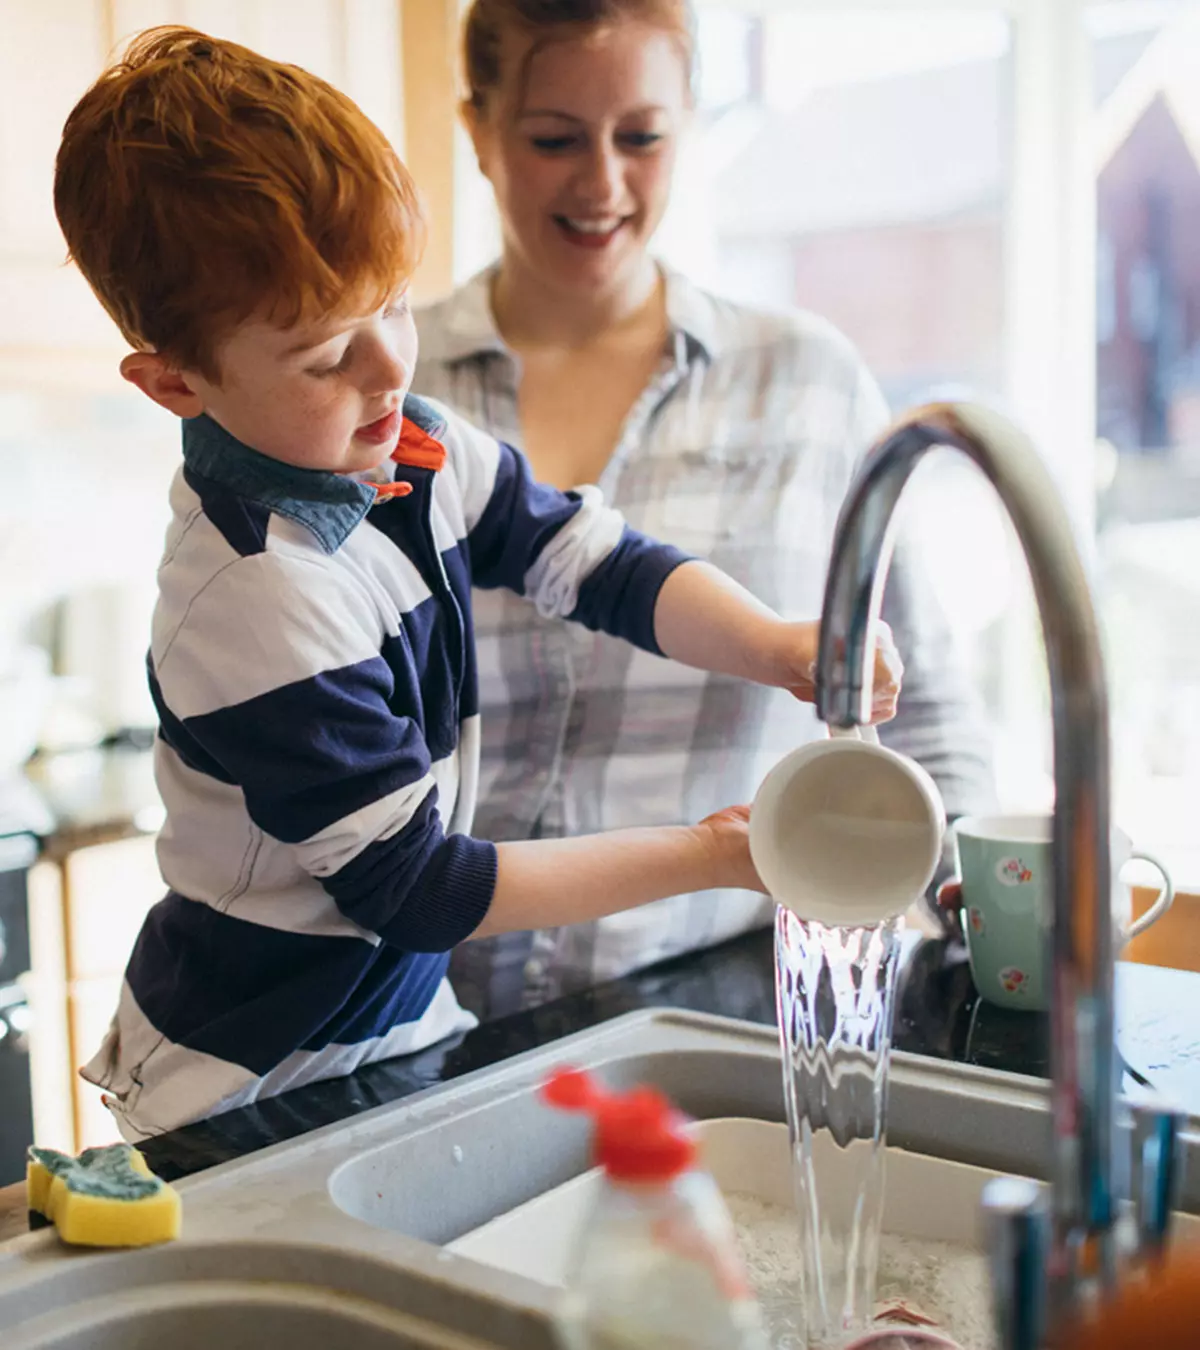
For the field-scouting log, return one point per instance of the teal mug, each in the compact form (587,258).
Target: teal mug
(1005,868)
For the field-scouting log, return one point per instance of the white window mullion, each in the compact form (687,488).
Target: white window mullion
(1051,247)
(1050,259)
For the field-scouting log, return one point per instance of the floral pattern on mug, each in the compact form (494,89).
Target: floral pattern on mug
(1013,872)
(1013,980)
(975,917)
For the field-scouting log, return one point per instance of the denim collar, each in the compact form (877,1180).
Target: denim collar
(328,504)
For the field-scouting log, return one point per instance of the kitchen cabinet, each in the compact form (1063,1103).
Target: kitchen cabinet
(90,1006)
(107,891)
(1174,941)
(49,53)
(85,912)
(50,1060)
(434,148)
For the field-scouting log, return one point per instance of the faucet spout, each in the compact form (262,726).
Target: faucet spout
(1082,1208)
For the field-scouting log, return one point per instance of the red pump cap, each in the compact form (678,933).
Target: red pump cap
(639,1135)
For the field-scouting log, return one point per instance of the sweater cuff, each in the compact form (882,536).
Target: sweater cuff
(450,898)
(621,595)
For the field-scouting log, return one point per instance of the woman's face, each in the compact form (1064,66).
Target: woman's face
(579,144)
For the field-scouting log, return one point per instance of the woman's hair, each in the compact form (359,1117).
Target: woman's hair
(488,21)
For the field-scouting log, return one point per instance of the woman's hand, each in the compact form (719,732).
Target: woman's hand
(949,904)
(796,662)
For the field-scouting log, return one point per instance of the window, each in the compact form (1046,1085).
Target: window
(856,161)
(996,199)
(837,181)
(1147,124)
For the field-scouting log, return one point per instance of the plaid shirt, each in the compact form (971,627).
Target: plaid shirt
(740,450)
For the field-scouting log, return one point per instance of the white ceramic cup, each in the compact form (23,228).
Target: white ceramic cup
(846,831)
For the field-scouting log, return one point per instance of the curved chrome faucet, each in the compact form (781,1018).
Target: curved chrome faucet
(1081,1239)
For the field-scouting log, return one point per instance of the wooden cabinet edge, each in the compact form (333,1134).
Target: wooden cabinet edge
(51,1062)
(1174,941)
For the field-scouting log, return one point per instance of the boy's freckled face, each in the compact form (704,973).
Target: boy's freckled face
(320,396)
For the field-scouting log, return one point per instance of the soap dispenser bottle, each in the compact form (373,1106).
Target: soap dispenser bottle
(657,1265)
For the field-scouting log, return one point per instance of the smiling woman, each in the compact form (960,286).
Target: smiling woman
(731,431)
(579,153)
(576,123)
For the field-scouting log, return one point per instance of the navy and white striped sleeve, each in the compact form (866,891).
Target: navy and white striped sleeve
(567,552)
(277,682)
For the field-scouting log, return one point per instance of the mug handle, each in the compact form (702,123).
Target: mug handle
(1165,897)
(866,734)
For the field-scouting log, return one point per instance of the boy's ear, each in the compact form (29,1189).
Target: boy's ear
(167,385)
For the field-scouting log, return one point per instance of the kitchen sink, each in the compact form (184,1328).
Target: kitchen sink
(369,1231)
(236,1296)
(438,1183)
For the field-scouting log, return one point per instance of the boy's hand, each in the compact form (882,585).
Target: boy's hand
(727,836)
(796,666)
(706,619)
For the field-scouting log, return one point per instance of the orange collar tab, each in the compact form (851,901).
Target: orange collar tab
(383,491)
(418,449)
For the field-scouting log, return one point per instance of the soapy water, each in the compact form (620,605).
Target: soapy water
(939,1280)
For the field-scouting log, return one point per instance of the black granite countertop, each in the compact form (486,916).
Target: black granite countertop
(96,795)
(99,795)
(938,1013)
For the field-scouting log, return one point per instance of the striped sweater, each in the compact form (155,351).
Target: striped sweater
(313,664)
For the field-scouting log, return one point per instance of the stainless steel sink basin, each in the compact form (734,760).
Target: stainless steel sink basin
(219,1296)
(358,1216)
(438,1183)
(230,1316)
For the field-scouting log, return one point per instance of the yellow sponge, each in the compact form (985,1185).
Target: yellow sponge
(107,1197)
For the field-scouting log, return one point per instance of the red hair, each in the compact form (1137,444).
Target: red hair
(488,21)
(198,183)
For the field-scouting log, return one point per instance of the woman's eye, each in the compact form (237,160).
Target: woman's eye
(397,309)
(641,140)
(552,144)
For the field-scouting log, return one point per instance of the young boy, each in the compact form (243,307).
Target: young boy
(252,233)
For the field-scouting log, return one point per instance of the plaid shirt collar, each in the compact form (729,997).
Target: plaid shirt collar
(469,329)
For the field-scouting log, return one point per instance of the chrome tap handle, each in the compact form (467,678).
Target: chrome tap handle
(1017,1227)
(1157,1172)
